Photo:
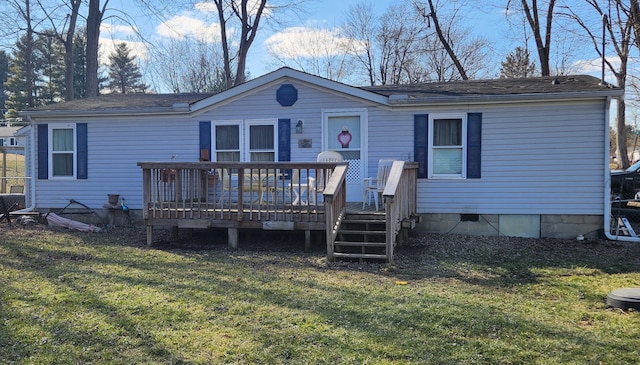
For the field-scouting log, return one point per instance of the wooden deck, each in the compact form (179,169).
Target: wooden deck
(308,196)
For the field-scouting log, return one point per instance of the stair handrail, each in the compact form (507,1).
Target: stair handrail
(399,197)
(335,204)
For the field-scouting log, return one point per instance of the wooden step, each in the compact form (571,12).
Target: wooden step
(363,232)
(364,221)
(359,256)
(358,244)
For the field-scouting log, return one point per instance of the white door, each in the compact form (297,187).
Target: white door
(345,132)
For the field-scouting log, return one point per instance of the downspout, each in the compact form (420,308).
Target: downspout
(32,185)
(607,183)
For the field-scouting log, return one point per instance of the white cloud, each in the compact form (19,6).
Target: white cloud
(185,26)
(113,29)
(593,65)
(309,42)
(207,7)
(108,45)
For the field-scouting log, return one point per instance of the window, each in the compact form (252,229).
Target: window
(227,142)
(253,140)
(62,150)
(447,157)
(261,142)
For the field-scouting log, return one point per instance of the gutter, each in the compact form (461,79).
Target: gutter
(405,100)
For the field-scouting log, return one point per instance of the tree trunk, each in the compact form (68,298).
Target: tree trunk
(543,46)
(68,51)
(94,19)
(225,43)
(249,31)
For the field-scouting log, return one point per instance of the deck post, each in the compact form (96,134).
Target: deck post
(149,235)
(307,240)
(174,234)
(232,234)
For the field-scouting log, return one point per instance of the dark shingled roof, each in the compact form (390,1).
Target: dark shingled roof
(454,90)
(126,101)
(533,85)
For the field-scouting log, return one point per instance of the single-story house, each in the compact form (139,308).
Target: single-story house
(10,140)
(519,157)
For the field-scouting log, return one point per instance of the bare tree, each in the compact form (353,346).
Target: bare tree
(400,41)
(248,14)
(188,65)
(362,25)
(618,28)
(65,34)
(323,52)
(431,15)
(540,22)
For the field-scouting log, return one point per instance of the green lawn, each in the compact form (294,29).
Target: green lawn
(69,298)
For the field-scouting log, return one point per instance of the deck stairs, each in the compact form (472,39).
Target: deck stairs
(362,236)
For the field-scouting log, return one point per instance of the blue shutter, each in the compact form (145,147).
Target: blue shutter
(474,145)
(82,153)
(421,143)
(284,139)
(43,151)
(205,138)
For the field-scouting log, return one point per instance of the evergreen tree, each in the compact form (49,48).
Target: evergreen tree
(18,83)
(80,65)
(124,74)
(4,70)
(50,67)
(517,65)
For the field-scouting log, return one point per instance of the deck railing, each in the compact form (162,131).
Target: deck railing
(268,195)
(335,197)
(400,200)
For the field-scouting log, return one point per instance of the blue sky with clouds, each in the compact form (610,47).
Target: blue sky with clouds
(485,18)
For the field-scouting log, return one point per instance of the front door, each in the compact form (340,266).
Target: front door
(345,132)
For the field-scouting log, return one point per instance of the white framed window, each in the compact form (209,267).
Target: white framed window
(227,141)
(62,151)
(261,140)
(447,146)
(244,140)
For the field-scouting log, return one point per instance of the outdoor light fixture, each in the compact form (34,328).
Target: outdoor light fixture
(299,126)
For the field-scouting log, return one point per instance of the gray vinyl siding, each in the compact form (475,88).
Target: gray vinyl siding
(536,159)
(114,149)
(542,158)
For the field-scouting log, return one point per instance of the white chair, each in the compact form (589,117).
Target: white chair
(374,186)
(325,156)
(299,188)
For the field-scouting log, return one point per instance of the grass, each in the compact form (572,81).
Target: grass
(106,298)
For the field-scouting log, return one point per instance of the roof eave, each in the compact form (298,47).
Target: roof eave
(512,98)
(103,112)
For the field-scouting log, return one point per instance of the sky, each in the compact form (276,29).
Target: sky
(314,24)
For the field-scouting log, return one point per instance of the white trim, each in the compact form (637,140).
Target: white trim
(430,148)
(50,152)
(280,76)
(243,135)
(257,122)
